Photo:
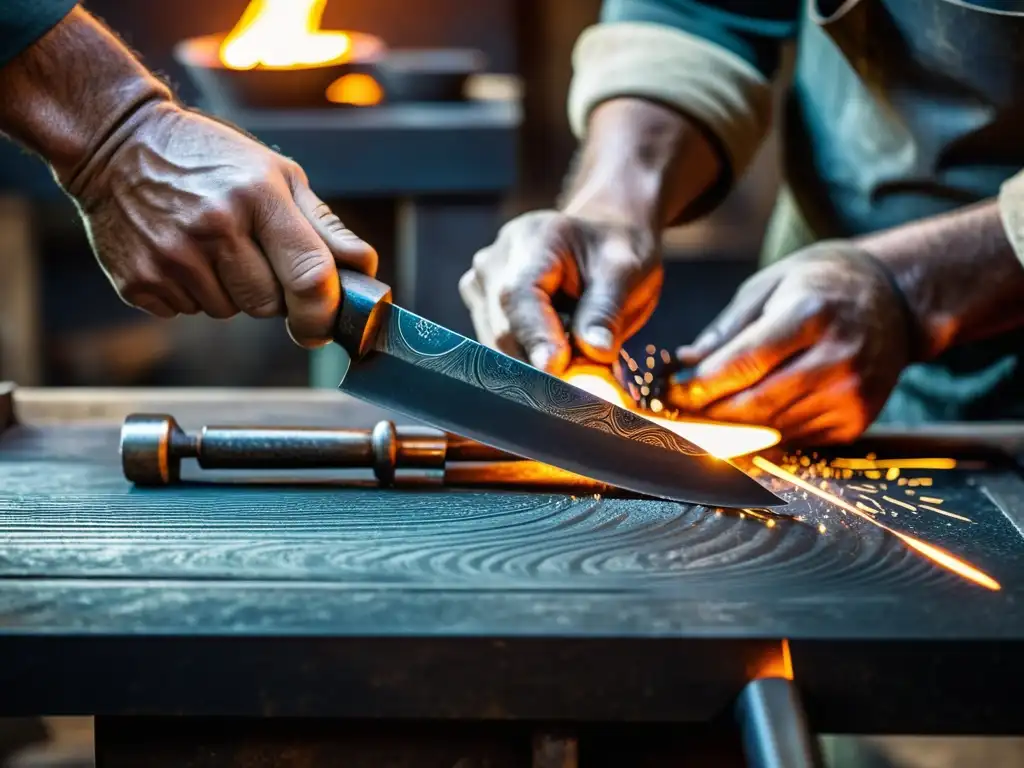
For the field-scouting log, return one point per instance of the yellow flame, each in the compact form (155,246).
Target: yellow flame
(724,441)
(283,34)
(937,555)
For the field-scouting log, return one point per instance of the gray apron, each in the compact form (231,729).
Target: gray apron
(902,109)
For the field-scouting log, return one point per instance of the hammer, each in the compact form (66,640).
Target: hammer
(153,445)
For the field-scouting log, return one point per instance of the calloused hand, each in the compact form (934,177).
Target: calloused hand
(812,345)
(188,215)
(614,270)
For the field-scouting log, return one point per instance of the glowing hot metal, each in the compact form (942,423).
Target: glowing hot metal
(724,441)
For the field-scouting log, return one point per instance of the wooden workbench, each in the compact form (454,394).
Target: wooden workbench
(333,599)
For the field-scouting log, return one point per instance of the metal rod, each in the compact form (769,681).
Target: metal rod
(154,445)
(773,726)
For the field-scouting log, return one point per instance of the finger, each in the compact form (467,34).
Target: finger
(249,279)
(159,296)
(154,306)
(745,307)
(541,334)
(520,312)
(305,269)
(823,429)
(191,272)
(472,293)
(749,356)
(349,250)
(839,402)
(599,322)
(774,395)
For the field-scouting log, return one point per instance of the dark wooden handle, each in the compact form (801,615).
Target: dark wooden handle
(359,318)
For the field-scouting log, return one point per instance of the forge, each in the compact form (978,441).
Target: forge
(528,612)
(279,56)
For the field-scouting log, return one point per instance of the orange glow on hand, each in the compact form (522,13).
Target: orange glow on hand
(283,34)
(724,441)
(933,553)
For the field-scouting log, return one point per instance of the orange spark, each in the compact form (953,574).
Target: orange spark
(874,464)
(891,500)
(947,514)
(865,507)
(863,488)
(935,554)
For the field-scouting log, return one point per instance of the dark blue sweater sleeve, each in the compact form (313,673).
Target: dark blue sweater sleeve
(752,29)
(23,22)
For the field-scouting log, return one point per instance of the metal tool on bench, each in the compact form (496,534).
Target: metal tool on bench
(154,445)
(413,366)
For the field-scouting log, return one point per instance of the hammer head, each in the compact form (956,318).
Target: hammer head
(151,449)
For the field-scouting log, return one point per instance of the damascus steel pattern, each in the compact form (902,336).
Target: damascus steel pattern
(434,347)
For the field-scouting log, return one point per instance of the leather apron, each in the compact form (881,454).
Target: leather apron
(902,109)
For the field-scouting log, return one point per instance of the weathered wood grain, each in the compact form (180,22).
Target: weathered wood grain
(318,596)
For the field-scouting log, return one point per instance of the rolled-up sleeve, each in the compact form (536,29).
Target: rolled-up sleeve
(1011,209)
(23,22)
(713,60)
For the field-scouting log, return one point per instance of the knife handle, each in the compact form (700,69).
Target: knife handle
(360,316)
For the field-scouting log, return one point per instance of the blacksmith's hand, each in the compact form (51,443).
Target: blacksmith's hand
(613,269)
(812,345)
(188,215)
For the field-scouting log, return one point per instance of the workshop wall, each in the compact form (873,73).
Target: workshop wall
(86,336)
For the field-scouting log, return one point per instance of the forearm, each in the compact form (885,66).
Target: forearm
(960,274)
(70,91)
(640,165)
(708,64)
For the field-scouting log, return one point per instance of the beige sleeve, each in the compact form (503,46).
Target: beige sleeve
(1011,208)
(716,87)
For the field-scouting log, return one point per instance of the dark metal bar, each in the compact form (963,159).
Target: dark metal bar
(154,445)
(774,728)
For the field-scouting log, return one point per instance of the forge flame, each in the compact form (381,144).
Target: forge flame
(283,34)
(723,441)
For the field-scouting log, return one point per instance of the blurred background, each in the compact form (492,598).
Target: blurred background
(426,177)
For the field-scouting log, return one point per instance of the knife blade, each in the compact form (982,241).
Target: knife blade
(411,365)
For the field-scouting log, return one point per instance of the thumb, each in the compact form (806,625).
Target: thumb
(599,322)
(348,249)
